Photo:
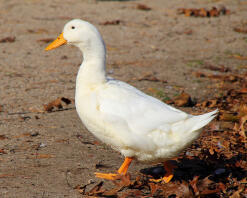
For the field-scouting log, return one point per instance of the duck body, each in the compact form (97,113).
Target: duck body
(132,122)
(137,125)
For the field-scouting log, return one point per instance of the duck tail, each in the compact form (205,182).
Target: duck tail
(197,122)
(194,123)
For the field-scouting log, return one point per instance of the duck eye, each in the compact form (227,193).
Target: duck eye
(73,27)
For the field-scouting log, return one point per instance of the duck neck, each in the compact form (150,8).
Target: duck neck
(92,70)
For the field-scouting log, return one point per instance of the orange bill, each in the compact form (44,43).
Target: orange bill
(58,42)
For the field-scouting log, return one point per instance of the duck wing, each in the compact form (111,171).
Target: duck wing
(134,114)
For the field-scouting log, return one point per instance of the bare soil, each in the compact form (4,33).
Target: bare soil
(47,154)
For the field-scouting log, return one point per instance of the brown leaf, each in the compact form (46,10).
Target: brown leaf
(8,39)
(193,184)
(243,91)
(56,103)
(211,151)
(113,22)
(42,156)
(240,30)
(37,31)
(215,68)
(124,180)
(46,40)
(178,189)
(3,137)
(154,187)
(96,190)
(143,7)
(214,12)
(188,32)
(150,77)
(183,100)
(23,135)
(199,74)
(242,130)
(202,12)
(2,151)
(239,57)
(6,175)
(225,116)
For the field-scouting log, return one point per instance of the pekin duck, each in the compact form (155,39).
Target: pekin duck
(137,125)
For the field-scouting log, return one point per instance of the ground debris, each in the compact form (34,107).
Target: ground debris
(113,22)
(3,137)
(2,151)
(150,77)
(240,30)
(217,68)
(182,100)
(58,103)
(202,12)
(46,40)
(9,39)
(143,7)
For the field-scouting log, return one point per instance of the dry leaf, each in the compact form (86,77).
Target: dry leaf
(46,40)
(8,39)
(23,135)
(6,175)
(113,22)
(2,151)
(240,30)
(57,104)
(3,137)
(242,130)
(193,184)
(150,77)
(239,57)
(202,12)
(96,190)
(225,116)
(38,31)
(143,7)
(42,156)
(183,100)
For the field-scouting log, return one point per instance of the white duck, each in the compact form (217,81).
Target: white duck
(137,125)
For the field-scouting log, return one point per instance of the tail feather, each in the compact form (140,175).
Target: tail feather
(194,123)
(202,120)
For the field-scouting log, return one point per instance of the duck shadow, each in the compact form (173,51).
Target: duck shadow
(217,169)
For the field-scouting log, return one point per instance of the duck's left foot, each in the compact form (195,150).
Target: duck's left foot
(166,179)
(169,174)
(108,176)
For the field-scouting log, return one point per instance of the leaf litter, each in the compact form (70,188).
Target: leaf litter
(57,104)
(215,165)
(9,39)
(203,12)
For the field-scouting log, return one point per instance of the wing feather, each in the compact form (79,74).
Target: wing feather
(141,112)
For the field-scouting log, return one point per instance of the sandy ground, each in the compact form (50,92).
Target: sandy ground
(48,154)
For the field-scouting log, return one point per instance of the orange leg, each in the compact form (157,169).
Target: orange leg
(169,173)
(121,171)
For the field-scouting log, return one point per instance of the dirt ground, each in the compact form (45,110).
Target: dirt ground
(48,154)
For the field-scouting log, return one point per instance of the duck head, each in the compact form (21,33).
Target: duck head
(79,33)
